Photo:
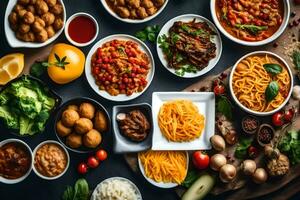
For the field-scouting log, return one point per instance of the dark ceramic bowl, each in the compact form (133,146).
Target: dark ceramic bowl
(78,101)
(51,93)
(123,144)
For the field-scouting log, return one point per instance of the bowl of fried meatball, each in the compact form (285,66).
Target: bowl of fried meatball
(82,124)
(134,11)
(33,23)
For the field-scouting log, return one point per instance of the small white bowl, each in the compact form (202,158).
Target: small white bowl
(91,80)
(216,39)
(132,21)
(13,181)
(54,177)
(15,42)
(67,27)
(258,43)
(252,111)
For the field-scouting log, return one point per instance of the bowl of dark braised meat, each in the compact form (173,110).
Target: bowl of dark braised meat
(15,161)
(133,127)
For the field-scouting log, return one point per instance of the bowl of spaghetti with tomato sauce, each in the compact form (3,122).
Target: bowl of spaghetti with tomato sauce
(119,67)
(251,22)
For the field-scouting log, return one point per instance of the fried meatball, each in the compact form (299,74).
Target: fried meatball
(28,17)
(50,31)
(57,9)
(73,107)
(151,11)
(158,3)
(39,20)
(123,12)
(24,28)
(83,125)
(13,18)
(120,2)
(21,13)
(41,7)
(18,8)
(61,130)
(100,122)
(48,18)
(69,117)
(87,110)
(133,3)
(37,27)
(50,3)
(23,2)
(92,139)
(74,140)
(27,37)
(142,12)
(58,24)
(146,3)
(31,9)
(42,36)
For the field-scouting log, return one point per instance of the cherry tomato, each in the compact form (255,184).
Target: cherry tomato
(219,90)
(101,154)
(288,115)
(92,162)
(200,160)
(278,119)
(82,168)
(252,152)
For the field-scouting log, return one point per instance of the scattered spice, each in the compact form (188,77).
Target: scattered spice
(250,124)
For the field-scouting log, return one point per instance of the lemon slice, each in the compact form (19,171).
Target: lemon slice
(11,67)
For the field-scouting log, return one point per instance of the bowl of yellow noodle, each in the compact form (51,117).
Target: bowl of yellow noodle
(261,83)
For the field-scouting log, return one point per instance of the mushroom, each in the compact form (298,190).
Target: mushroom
(248,167)
(217,142)
(217,161)
(260,176)
(296,92)
(227,173)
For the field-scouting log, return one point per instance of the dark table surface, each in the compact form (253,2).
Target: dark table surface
(36,188)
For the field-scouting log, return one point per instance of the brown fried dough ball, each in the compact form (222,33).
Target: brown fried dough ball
(74,140)
(100,121)
(21,13)
(13,18)
(158,3)
(58,24)
(142,12)
(62,131)
(133,3)
(28,17)
(73,107)
(92,139)
(41,7)
(57,9)
(24,28)
(120,2)
(69,117)
(50,3)
(123,11)
(48,18)
(50,31)
(42,36)
(83,125)
(151,11)
(32,2)
(18,8)
(31,9)
(147,3)
(133,13)
(27,37)
(87,110)
(38,25)
(39,20)
(23,2)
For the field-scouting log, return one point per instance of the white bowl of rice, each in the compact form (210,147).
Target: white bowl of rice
(116,188)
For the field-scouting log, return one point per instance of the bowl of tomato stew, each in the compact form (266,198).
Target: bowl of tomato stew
(251,23)
(119,67)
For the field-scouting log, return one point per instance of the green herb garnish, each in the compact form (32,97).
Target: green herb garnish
(224,106)
(164,45)
(290,145)
(79,192)
(38,68)
(273,68)
(186,69)
(149,33)
(251,28)
(242,148)
(272,91)
(190,178)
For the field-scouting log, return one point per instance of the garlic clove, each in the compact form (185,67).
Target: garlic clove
(121,116)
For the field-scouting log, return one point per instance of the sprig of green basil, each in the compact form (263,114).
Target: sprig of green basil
(272,91)
(273,68)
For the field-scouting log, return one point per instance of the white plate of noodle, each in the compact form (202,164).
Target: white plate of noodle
(183,120)
(249,82)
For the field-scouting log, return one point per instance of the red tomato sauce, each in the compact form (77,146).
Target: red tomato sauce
(82,29)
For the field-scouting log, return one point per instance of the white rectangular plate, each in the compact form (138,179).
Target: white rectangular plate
(205,101)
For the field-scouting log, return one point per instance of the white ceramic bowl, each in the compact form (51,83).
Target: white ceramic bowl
(13,181)
(67,27)
(138,193)
(91,79)
(160,184)
(247,43)
(15,42)
(66,152)
(132,21)
(216,39)
(252,111)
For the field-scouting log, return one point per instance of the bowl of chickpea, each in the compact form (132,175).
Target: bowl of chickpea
(33,23)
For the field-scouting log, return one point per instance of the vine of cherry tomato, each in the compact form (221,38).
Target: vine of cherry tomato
(280,118)
(92,161)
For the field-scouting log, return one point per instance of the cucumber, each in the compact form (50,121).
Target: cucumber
(200,188)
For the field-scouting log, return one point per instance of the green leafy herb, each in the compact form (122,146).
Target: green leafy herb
(273,68)
(272,91)
(179,57)
(224,106)
(296,59)
(185,28)
(174,37)
(186,69)
(149,33)
(241,149)
(164,45)
(38,68)
(121,50)
(198,32)
(251,28)
(79,192)
(290,145)
(190,178)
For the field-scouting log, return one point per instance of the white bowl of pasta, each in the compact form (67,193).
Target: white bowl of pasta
(261,83)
